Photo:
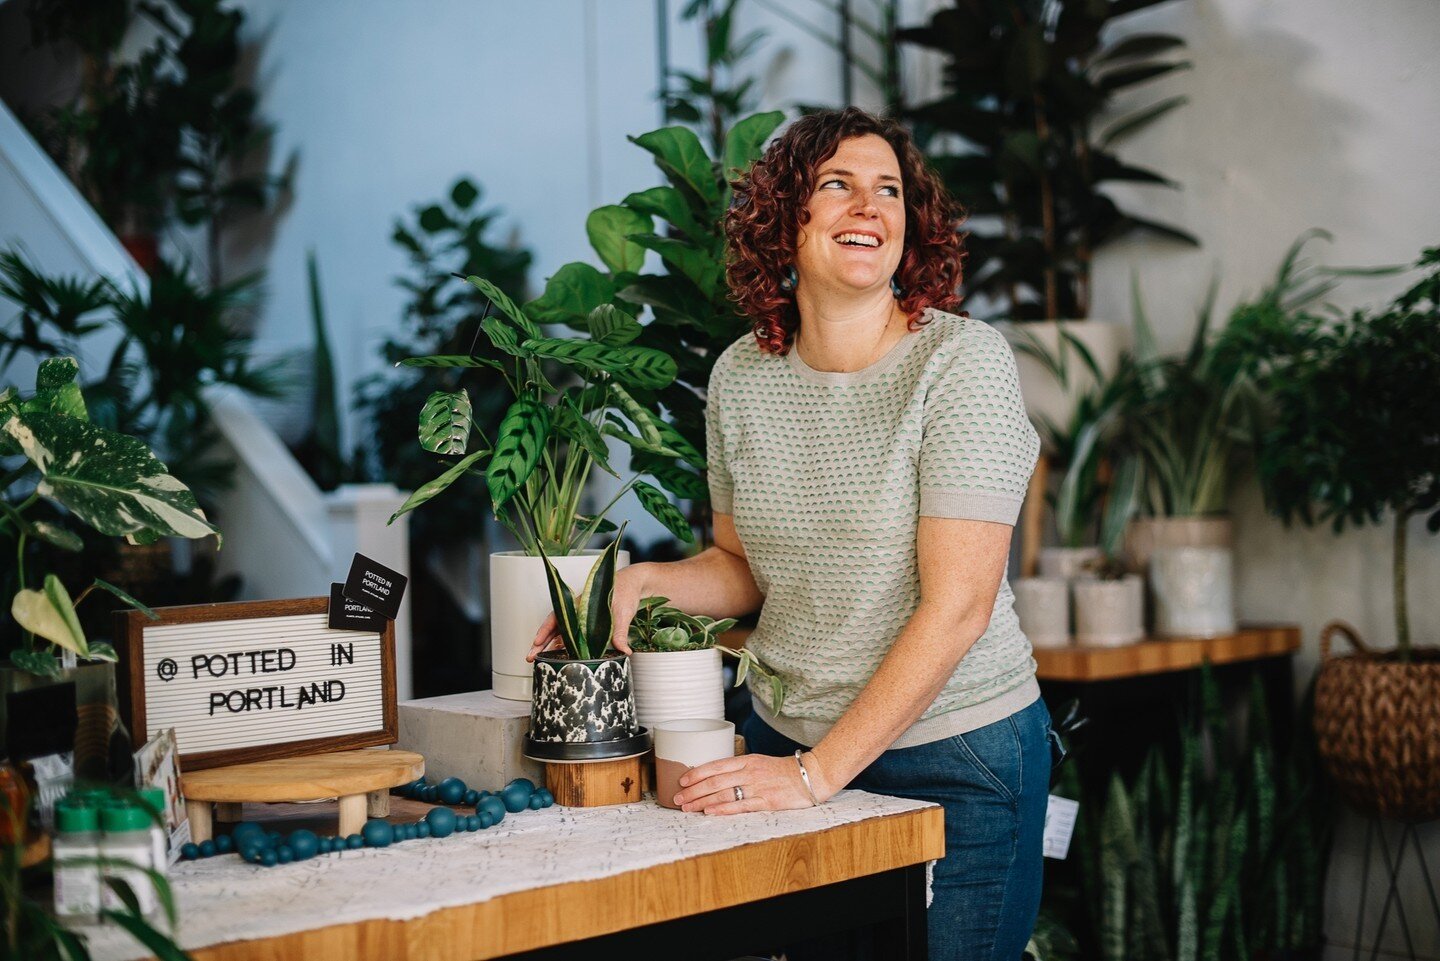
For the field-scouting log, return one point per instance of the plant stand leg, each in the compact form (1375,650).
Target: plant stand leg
(1392,893)
(352,814)
(201,828)
(377,804)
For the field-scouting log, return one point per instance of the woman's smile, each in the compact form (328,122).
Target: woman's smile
(853,237)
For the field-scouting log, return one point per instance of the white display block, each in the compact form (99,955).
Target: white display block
(476,737)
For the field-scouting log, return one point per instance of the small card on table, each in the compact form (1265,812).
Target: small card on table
(375,586)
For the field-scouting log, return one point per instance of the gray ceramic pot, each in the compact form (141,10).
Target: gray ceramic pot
(582,701)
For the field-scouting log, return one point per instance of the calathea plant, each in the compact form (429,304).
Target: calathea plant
(550,438)
(658,628)
(103,478)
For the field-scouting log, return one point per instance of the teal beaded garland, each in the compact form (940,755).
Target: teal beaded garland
(304,844)
(536,802)
(207,849)
(471,798)
(422,829)
(355,842)
(492,806)
(377,833)
(450,791)
(516,798)
(441,822)
(224,844)
(283,854)
(190,851)
(268,857)
(472,822)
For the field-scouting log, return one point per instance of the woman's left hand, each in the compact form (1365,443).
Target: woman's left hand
(768,783)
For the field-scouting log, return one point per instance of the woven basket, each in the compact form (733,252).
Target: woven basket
(1377,723)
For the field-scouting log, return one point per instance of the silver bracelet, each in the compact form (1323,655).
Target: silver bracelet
(805,776)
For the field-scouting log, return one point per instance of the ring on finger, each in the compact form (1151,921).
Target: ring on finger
(739,793)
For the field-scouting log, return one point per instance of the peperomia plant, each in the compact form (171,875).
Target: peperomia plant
(658,628)
(551,437)
(105,479)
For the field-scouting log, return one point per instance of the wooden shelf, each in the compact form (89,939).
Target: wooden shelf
(1160,655)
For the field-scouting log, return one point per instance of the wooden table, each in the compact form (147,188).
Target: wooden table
(867,874)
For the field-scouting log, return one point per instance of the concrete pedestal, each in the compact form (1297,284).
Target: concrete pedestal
(476,737)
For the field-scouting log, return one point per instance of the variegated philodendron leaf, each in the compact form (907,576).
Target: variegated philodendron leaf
(445,422)
(56,392)
(50,614)
(505,305)
(518,447)
(429,489)
(658,506)
(107,479)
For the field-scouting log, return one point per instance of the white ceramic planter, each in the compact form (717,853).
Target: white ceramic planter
(1109,613)
(1194,591)
(678,685)
(519,601)
(1043,606)
(1066,562)
(1144,534)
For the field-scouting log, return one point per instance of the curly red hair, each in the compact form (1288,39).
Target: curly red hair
(769,207)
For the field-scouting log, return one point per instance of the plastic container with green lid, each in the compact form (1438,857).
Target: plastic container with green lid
(127,848)
(76,852)
(153,799)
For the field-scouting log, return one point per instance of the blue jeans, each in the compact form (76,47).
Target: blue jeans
(993,783)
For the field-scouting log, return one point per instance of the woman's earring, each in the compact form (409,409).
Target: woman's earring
(791,278)
(896,289)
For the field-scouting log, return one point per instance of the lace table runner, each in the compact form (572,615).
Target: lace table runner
(224,899)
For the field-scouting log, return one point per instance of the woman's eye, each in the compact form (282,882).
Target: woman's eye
(829,182)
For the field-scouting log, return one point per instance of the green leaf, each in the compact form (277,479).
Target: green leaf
(646,368)
(609,229)
(429,489)
(445,422)
(433,220)
(573,426)
(642,418)
(110,481)
(567,620)
(669,205)
(505,305)
(125,598)
(613,327)
(584,354)
(39,663)
(746,139)
(518,446)
(697,265)
(658,506)
(611,429)
(598,597)
(453,360)
(56,391)
(464,193)
(54,534)
(682,158)
(104,651)
(157,943)
(570,295)
(676,441)
(50,614)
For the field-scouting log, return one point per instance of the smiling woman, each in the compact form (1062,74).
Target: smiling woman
(868,451)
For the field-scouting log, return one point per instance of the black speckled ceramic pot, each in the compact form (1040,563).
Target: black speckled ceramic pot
(579,702)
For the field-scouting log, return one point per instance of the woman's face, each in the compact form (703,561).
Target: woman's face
(856,231)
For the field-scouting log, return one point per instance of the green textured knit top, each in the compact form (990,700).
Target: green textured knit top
(827,475)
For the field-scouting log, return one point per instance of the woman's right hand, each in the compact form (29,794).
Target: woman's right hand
(630,589)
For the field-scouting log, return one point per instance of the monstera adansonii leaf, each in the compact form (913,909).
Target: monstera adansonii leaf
(107,479)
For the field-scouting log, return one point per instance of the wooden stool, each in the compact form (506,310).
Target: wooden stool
(360,779)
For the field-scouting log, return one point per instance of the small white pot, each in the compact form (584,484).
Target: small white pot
(1043,606)
(1066,562)
(678,685)
(519,601)
(1194,591)
(1109,613)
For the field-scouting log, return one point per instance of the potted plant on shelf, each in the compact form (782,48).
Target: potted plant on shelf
(677,664)
(548,442)
(1028,97)
(1350,434)
(105,479)
(1110,601)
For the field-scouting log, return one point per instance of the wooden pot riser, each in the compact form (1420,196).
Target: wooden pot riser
(589,784)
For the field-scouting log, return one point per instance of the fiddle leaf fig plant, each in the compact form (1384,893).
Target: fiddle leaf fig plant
(103,478)
(659,627)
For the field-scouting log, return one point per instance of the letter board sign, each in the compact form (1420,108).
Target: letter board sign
(257,680)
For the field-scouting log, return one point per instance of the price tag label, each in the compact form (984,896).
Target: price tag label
(1060,817)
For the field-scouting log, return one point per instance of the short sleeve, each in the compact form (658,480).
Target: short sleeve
(722,489)
(978,446)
